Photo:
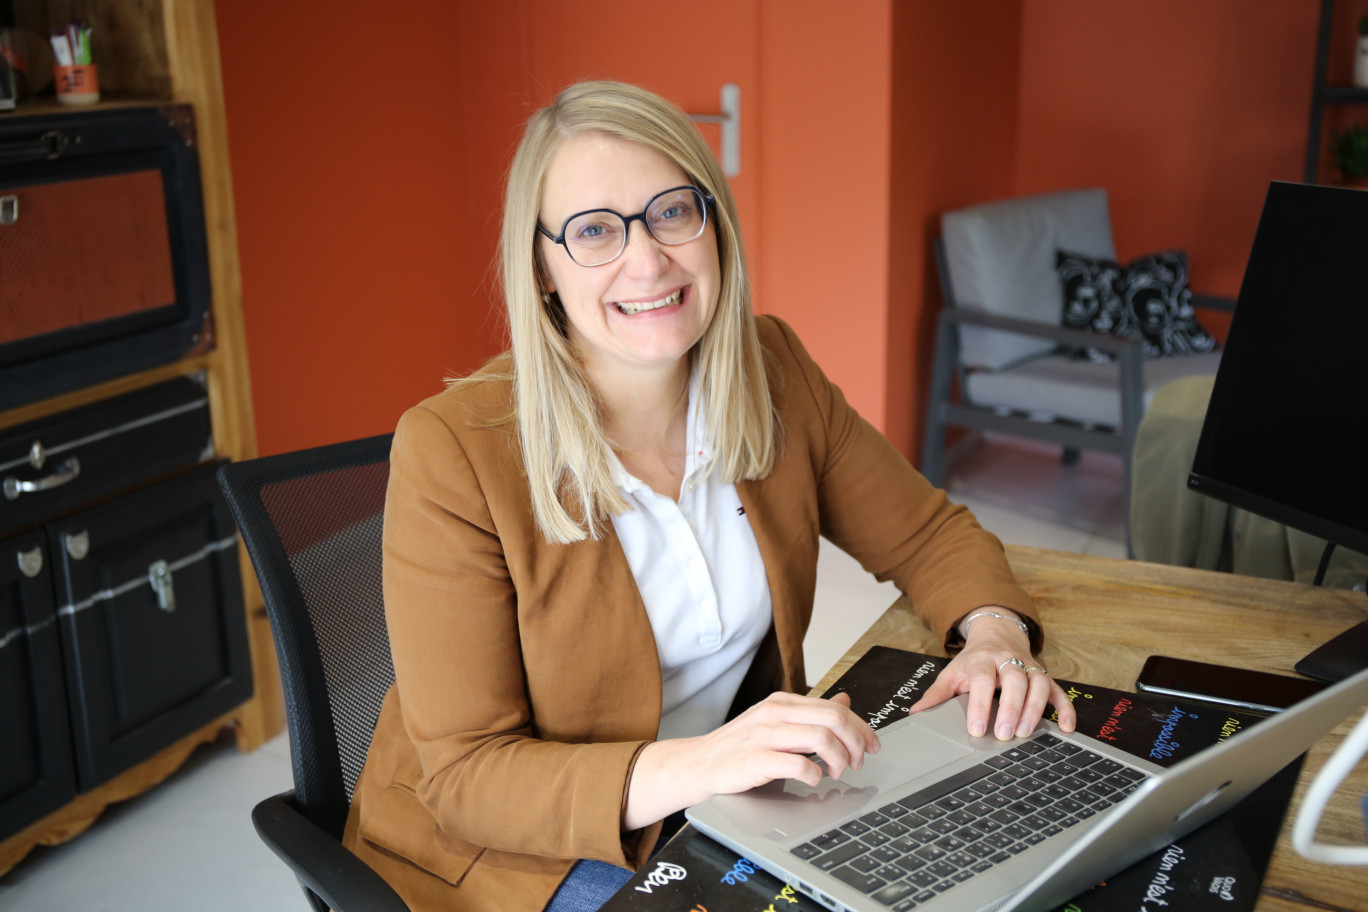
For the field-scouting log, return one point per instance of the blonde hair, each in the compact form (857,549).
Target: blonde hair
(565,451)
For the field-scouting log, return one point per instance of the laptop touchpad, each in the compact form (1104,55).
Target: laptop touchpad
(910,749)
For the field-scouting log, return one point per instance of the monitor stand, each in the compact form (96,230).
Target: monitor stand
(1340,657)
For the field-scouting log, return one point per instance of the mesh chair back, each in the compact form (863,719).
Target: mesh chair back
(312,523)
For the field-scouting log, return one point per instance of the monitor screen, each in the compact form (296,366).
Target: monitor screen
(1286,433)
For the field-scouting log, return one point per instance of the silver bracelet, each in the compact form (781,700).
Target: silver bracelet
(964,624)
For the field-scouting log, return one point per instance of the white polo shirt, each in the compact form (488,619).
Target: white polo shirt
(701,577)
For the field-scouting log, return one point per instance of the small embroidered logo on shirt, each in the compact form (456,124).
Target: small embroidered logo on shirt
(740,511)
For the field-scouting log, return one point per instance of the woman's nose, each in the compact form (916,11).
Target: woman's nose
(644,255)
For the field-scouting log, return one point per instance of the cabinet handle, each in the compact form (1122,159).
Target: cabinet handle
(67,471)
(48,146)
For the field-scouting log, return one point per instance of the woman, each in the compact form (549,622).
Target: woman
(602,546)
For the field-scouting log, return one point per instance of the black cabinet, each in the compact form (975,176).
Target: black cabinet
(36,771)
(154,642)
(122,625)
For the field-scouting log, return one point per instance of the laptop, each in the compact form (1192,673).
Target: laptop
(938,820)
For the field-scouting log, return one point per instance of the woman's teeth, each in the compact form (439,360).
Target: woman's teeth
(636,307)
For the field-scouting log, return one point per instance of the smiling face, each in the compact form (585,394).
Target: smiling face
(646,309)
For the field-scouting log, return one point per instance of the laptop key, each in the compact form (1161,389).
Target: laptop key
(981,850)
(866,864)
(1048,740)
(907,905)
(922,879)
(874,819)
(830,840)
(930,853)
(855,828)
(805,851)
(890,873)
(942,869)
(894,892)
(945,787)
(962,876)
(865,883)
(875,838)
(893,811)
(886,854)
(943,826)
(894,829)
(840,855)
(982,866)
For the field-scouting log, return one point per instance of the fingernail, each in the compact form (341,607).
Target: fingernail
(977,728)
(1004,732)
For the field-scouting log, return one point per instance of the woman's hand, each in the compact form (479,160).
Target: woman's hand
(984,665)
(769,741)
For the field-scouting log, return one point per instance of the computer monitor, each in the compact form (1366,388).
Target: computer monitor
(1286,432)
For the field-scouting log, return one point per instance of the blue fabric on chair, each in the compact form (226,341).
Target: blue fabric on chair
(589,885)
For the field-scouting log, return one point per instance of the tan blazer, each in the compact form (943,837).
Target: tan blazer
(527,675)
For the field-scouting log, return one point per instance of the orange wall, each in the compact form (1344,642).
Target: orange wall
(954,125)
(355,297)
(1183,111)
(824,126)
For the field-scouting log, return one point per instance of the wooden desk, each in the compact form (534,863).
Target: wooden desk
(1103,617)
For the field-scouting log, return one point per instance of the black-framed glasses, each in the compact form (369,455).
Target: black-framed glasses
(598,236)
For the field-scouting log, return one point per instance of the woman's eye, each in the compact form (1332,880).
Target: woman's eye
(592,232)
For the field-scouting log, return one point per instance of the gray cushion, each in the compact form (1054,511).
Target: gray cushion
(1057,386)
(1001,258)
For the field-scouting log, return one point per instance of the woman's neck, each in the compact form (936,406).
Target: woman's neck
(645,417)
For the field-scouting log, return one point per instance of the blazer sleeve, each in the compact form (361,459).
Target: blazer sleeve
(875,506)
(452,612)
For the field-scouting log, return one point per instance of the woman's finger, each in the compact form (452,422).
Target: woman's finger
(1012,684)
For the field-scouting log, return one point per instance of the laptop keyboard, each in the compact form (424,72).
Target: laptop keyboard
(907,852)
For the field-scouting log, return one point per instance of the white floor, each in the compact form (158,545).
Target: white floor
(189,844)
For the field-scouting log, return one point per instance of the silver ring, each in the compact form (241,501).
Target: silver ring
(1013,661)
(1037,668)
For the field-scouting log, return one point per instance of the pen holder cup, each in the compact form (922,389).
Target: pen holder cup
(78,84)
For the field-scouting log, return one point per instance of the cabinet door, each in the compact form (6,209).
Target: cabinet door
(151,618)
(36,773)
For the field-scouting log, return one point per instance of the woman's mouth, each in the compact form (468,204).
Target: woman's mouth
(630,308)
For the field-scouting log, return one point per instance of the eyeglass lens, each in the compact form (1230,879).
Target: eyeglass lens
(674,217)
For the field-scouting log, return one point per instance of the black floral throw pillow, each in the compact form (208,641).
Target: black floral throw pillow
(1148,301)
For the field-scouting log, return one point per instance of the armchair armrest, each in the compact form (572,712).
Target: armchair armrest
(1212,302)
(1064,335)
(341,879)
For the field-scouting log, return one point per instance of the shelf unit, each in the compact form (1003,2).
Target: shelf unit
(1326,96)
(154,52)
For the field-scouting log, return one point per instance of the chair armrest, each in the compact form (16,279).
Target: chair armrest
(342,880)
(1212,302)
(1064,335)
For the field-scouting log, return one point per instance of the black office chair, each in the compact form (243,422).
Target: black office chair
(312,522)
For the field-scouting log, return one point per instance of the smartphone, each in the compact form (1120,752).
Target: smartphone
(1237,688)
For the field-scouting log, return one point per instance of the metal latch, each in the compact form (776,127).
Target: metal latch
(9,209)
(31,562)
(159,575)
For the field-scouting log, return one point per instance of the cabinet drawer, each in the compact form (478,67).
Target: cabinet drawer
(36,774)
(57,464)
(151,619)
